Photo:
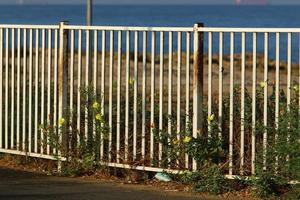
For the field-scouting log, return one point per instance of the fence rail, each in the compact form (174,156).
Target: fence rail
(152,80)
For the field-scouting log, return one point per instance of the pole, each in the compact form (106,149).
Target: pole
(62,85)
(198,84)
(89,12)
(89,21)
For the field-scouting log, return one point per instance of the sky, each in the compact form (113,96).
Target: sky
(274,2)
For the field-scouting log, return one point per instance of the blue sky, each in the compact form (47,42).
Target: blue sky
(139,1)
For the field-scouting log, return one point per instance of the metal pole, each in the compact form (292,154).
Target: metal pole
(89,12)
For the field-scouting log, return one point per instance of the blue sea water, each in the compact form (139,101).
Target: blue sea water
(156,15)
(166,15)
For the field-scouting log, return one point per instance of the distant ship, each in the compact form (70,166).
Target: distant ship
(251,2)
(21,2)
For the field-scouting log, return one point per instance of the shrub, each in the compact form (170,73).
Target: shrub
(80,156)
(209,179)
(267,184)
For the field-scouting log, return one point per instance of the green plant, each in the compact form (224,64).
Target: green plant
(205,149)
(80,147)
(212,181)
(208,179)
(279,162)
(267,184)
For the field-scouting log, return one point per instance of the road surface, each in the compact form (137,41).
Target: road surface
(19,185)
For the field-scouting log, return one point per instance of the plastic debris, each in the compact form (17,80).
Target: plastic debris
(163,177)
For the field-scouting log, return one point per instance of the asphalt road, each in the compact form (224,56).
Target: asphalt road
(19,185)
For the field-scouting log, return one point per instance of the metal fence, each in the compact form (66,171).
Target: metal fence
(145,75)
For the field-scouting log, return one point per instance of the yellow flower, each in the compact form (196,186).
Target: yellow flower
(98,117)
(262,84)
(296,88)
(187,139)
(211,118)
(62,121)
(131,81)
(176,141)
(96,105)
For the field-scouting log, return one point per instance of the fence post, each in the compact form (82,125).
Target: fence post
(62,84)
(198,84)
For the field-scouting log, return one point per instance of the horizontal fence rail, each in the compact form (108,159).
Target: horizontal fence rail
(144,89)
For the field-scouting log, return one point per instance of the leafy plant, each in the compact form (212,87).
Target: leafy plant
(209,179)
(267,184)
(80,148)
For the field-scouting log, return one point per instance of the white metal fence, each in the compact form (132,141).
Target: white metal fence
(143,74)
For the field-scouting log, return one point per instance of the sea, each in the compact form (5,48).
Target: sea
(169,15)
(156,15)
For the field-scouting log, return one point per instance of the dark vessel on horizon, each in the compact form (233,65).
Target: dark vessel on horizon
(251,2)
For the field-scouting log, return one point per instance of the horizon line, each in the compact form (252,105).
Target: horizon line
(146,4)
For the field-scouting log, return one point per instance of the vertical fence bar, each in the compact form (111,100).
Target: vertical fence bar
(36,121)
(289,68)
(6,87)
(179,49)
(71,79)
(231,103)
(95,76)
(198,84)
(1,86)
(24,89)
(111,66)
(277,90)
(170,87)
(220,82)
(102,88)
(55,82)
(298,76)
(12,126)
(49,83)
(161,90)
(30,91)
(119,93)
(136,40)
(289,77)
(298,69)
(62,80)
(43,90)
(152,95)
(18,86)
(243,77)
(254,37)
(79,68)
(127,93)
(87,83)
(209,81)
(187,90)
(144,94)
(178,84)
(266,62)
